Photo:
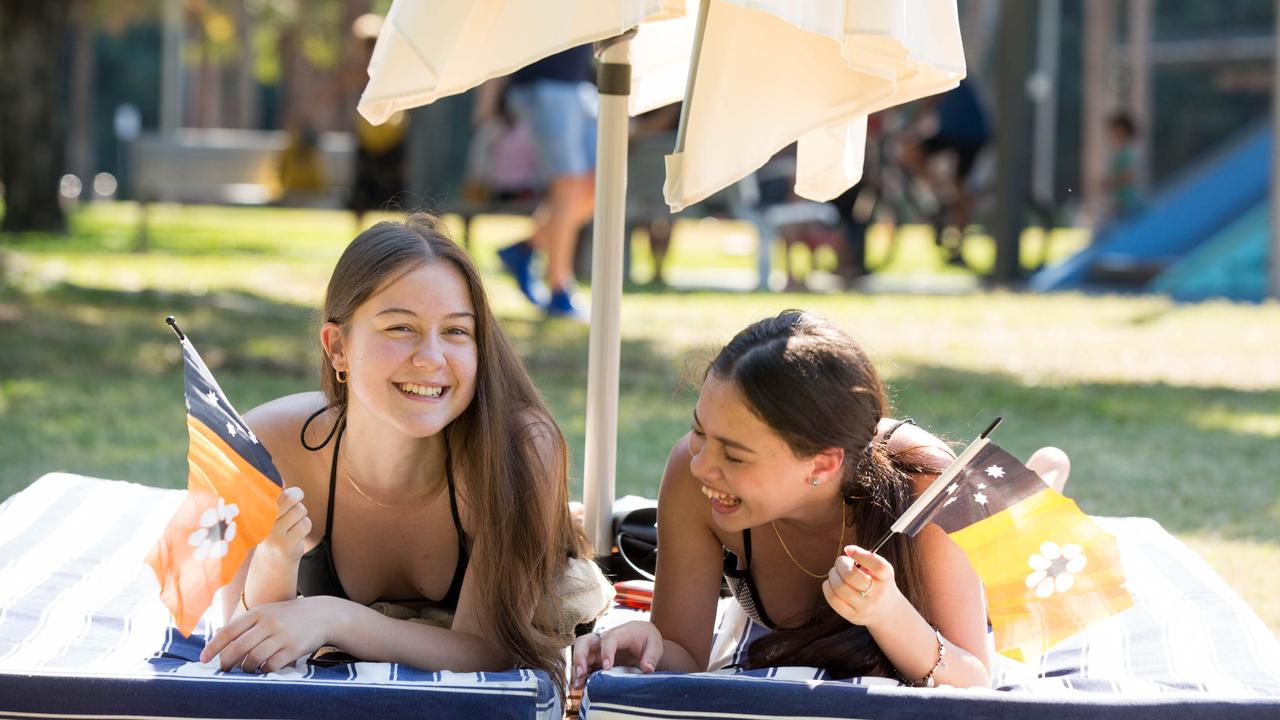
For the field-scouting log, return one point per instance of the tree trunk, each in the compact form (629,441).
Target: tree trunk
(32,129)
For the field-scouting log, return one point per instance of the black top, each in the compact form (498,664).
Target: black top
(572,65)
(737,573)
(317,574)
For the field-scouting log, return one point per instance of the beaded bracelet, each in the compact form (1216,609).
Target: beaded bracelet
(927,680)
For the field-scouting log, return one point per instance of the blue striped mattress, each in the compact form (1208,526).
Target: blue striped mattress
(1190,647)
(83,632)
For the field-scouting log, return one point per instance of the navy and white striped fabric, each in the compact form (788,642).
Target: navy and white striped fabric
(83,632)
(1190,647)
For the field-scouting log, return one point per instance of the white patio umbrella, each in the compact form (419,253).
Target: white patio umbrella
(772,72)
(761,74)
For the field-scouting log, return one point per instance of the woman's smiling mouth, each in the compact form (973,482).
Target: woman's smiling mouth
(721,502)
(422,391)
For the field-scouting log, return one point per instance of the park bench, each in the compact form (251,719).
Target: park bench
(227,167)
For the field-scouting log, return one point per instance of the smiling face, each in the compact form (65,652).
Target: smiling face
(748,472)
(410,350)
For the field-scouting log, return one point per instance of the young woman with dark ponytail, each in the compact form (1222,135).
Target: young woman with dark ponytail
(791,471)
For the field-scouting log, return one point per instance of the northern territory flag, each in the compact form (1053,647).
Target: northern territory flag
(1048,569)
(232,487)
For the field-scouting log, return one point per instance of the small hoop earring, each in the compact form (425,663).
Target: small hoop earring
(340,376)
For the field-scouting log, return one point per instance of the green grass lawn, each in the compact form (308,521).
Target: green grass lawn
(1168,411)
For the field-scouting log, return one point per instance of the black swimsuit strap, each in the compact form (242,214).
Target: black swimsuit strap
(333,482)
(750,582)
(302,434)
(453,500)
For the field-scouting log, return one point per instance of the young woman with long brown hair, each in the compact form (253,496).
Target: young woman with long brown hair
(427,479)
(791,470)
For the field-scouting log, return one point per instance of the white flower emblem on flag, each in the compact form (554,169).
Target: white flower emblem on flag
(980,498)
(211,397)
(1054,568)
(231,429)
(217,530)
(995,471)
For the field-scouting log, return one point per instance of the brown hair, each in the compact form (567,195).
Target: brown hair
(521,546)
(813,385)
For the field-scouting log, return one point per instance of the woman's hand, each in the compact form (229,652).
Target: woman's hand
(270,637)
(285,542)
(860,587)
(637,643)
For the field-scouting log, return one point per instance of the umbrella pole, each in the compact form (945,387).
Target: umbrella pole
(699,30)
(599,467)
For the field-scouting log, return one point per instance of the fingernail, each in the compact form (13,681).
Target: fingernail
(606,664)
(646,666)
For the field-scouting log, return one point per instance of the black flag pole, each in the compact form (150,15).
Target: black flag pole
(927,498)
(173,325)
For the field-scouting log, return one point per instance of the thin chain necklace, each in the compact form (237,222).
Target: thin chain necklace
(787,550)
(403,506)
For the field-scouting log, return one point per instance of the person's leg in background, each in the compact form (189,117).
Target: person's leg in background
(561,116)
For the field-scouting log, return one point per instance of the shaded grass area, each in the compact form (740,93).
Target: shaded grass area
(1168,411)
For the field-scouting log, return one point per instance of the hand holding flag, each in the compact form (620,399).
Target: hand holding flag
(230,507)
(1048,569)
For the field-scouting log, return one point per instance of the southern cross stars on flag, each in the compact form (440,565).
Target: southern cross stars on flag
(1048,569)
(232,487)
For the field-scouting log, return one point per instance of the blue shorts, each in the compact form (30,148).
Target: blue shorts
(562,117)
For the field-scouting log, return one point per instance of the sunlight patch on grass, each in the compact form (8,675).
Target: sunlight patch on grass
(1261,424)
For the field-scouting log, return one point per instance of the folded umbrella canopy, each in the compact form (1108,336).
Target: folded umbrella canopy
(761,75)
(772,72)
(429,49)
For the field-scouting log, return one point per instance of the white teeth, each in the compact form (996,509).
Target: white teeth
(431,391)
(723,497)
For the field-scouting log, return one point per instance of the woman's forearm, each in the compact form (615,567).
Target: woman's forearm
(270,579)
(912,646)
(368,634)
(676,659)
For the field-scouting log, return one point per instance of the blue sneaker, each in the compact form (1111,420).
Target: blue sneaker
(563,305)
(518,260)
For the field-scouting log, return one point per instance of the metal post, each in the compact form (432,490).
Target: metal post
(172,68)
(1046,113)
(600,460)
(1099,37)
(1140,19)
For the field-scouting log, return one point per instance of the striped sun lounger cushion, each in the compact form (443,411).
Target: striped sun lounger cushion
(83,632)
(1190,647)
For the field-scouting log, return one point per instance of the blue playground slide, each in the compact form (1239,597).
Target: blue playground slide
(1219,204)
(1230,265)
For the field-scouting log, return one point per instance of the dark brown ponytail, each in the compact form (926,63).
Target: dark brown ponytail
(814,386)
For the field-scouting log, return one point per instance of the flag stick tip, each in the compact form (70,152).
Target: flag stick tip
(991,427)
(173,324)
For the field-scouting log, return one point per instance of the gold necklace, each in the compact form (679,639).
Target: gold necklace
(787,550)
(429,497)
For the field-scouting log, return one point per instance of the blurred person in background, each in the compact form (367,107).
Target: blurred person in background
(558,102)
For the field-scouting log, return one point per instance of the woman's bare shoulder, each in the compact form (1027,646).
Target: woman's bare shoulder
(908,436)
(919,445)
(279,423)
